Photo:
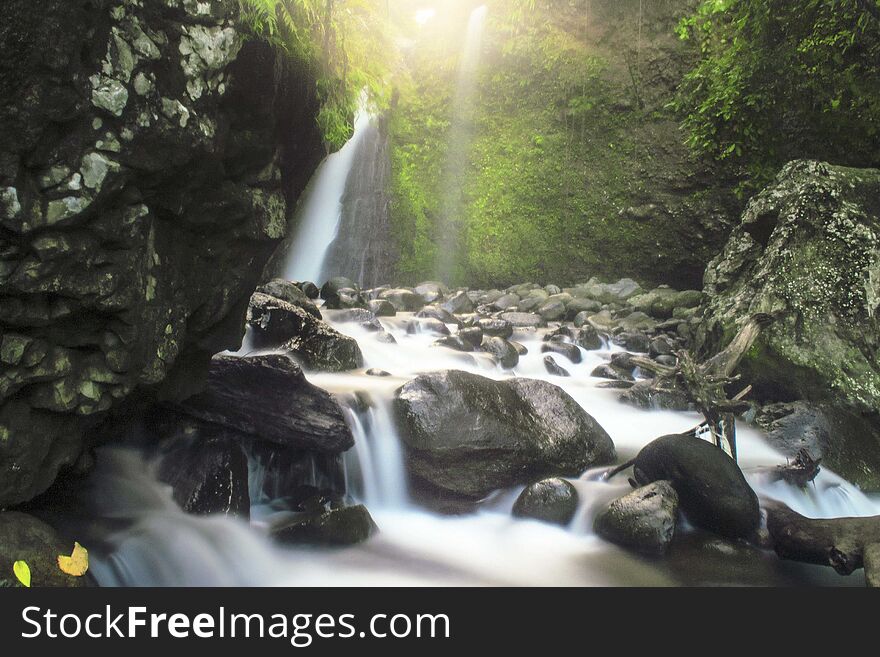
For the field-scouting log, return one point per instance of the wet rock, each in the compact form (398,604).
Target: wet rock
(427,325)
(353,316)
(634,341)
(455,342)
(588,338)
(506,301)
(661,346)
(612,373)
(207,476)
(553,501)
(382,308)
(316,344)
(403,300)
(644,395)
(712,490)
(523,320)
(330,291)
(637,322)
(435,312)
(459,304)
(553,368)
(431,291)
(570,351)
(377,372)
(643,520)
(504,353)
(472,334)
(552,310)
(268,398)
(623,360)
(668,361)
(309,289)
(617,292)
(521,349)
(385,337)
(333,526)
(496,328)
(470,435)
(289,292)
(845,441)
(576,307)
(602,321)
(25,538)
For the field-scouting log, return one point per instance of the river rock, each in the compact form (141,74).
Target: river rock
(523,320)
(588,338)
(427,325)
(308,288)
(330,291)
(472,334)
(553,368)
(712,490)
(431,291)
(644,395)
(435,312)
(617,292)
(207,476)
(552,310)
(496,328)
(643,520)
(403,300)
(455,342)
(334,526)
(805,253)
(608,371)
(470,435)
(268,398)
(504,353)
(289,292)
(459,304)
(506,301)
(577,306)
(25,538)
(570,351)
(354,316)
(551,500)
(316,344)
(382,308)
(602,321)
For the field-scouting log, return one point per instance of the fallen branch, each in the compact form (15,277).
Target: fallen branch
(799,472)
(845,544)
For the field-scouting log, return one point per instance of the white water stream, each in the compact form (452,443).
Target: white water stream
(417,547)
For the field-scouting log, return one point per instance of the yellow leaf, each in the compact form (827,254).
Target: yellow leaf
(22,572)
(77,563)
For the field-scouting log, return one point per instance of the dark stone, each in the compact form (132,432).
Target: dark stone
(470,435)
(668,361)
(496,328)
(643,520)
(376,372)
(523,320)
(455,342)
(382,308)
(353,316)
(25,538)
(330,291)
(309,289)
(431,291)
(504,353)
(506,301)
(635,341)
(427,325)
(712,490)
(644,395)
(566,349)
(612,373)
(588,338)
(553,368)
(316,344)
(459,304)
(289,292)
(268,398)
(661,346)
(207,476)
(440,314)
(552,500)
(472,334)
(332,527)
(403,300)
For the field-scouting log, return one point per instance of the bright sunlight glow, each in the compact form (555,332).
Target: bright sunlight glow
(424,15)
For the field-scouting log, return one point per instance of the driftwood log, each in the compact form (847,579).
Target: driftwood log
(706,383)
(845,544)
(799,472)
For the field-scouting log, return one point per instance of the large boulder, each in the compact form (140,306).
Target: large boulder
(712,490)
(144,183)
(643,520)
(291,293)
(269,399)
(806,253)
(317,345)
(469,435)
(25,538)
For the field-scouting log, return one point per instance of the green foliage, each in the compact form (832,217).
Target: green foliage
(779,80)
(346,42)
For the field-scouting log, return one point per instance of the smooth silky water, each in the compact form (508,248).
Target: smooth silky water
(147,540)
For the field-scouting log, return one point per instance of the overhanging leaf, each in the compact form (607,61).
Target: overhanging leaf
(22,572)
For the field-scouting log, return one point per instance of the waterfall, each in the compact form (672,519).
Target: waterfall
(461,133)
(320,211)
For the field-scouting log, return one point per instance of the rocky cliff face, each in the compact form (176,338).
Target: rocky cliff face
(147,154)
(807,253)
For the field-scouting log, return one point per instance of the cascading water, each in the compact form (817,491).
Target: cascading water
(460,138)
(321,209)
(158,544)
